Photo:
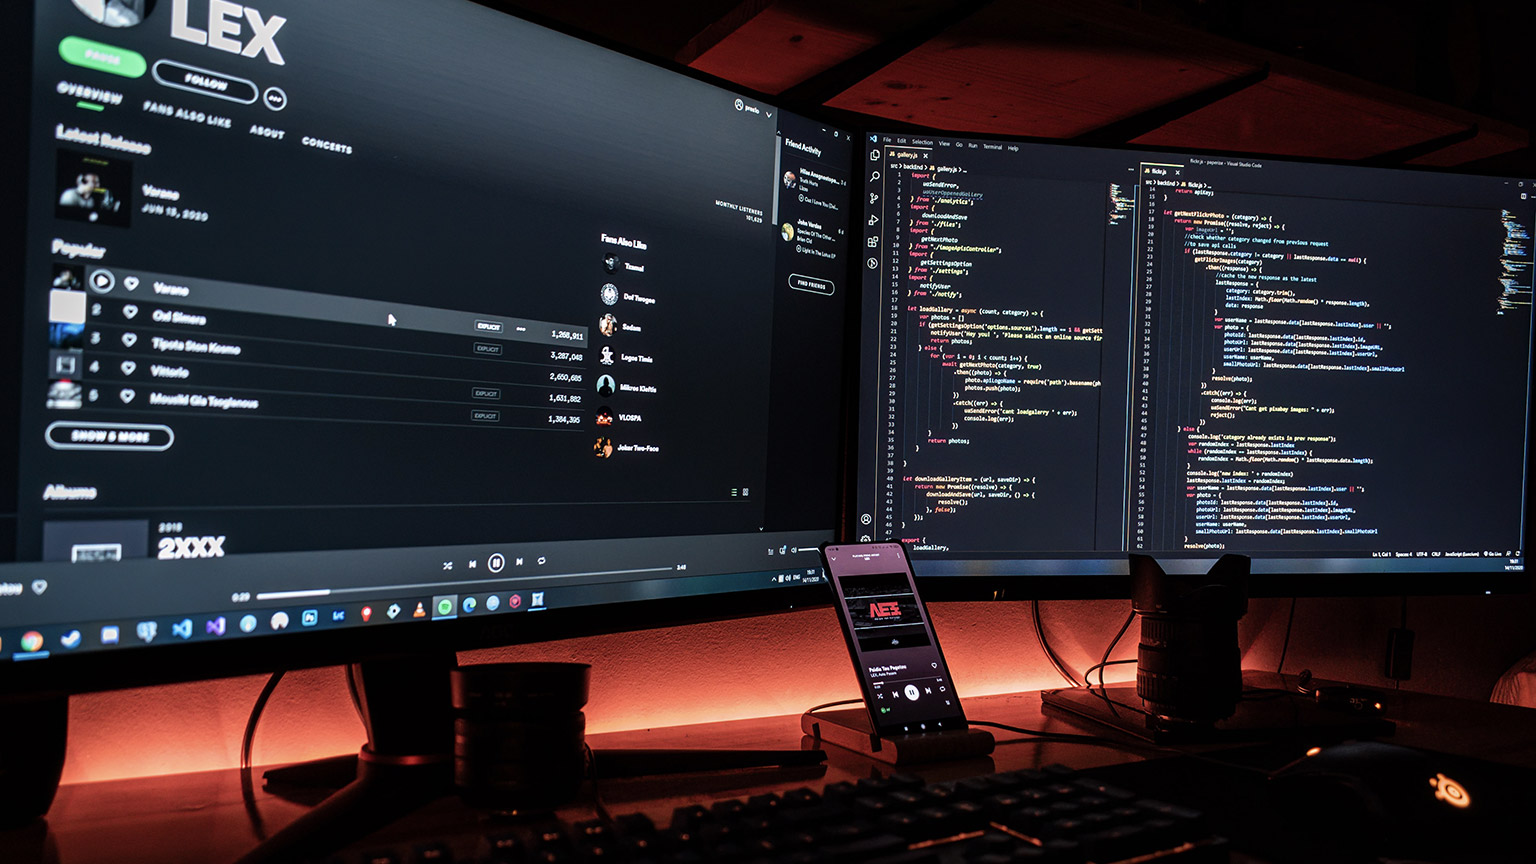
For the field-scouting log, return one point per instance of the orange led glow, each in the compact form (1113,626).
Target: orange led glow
(1314,751)
(1450,792)
(697,673)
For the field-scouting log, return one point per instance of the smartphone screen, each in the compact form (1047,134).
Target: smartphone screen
(901,669)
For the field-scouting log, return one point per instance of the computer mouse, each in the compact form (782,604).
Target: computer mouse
(1368,801)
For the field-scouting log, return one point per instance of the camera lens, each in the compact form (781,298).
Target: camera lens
(519,736)
(1187,665)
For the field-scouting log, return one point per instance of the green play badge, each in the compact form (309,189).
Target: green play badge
(102,57)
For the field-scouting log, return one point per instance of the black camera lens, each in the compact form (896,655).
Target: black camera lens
(1187,666)
(519,735)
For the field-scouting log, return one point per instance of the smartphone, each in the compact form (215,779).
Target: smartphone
(906,684)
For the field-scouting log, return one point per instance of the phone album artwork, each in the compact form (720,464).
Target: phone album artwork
(884,612)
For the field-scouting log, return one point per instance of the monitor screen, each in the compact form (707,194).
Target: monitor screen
(1078,353)
(352,317)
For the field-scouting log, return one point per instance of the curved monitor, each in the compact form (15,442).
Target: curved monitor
(1078,353)
(368,326)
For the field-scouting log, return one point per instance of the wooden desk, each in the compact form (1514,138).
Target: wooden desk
(197,818)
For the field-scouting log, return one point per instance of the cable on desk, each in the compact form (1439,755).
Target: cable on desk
(1285,646)
(1263,694)
(1100,667)
(814,708)
(1034,607)
(1140,748)
(1104,661)
(247,788)
(1068,737)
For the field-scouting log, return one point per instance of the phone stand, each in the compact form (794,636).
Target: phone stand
(850,729)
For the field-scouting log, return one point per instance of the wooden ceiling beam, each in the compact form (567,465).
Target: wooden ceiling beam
(720,30)
(826,84)
(1130,128)
(1423,148)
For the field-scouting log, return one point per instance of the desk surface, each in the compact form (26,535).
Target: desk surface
(201,817)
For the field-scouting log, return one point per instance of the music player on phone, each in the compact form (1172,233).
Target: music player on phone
(906,684)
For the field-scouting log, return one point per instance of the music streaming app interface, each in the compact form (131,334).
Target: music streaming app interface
(374,274)
(906,682)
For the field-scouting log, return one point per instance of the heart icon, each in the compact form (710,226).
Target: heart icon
(129,366)
(130,310)
(130,282)
(127,395)
(129,339)
(39,586)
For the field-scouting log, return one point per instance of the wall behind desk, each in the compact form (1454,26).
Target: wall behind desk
(785,663)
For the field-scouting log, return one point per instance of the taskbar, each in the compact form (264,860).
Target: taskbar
(301,614)
(48,608)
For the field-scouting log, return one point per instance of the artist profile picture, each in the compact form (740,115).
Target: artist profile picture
(609,294)
(66,335)
(605,356)
(606,386)
(89,195)
(611,262)
(608,325)
(116,13)
(789,179)
(788,231)
(66,395)
(604,417)
(603,447)
(66,277)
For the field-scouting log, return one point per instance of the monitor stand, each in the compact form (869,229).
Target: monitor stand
(1269,716)
(406,764)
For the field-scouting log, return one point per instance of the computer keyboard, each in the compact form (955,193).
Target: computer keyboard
(1051,815)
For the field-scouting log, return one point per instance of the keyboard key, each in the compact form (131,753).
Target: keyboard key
(802,797)
(872,846)
(432,853)
(505,849)
(764,803)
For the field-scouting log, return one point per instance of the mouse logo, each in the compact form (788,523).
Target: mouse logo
(1450,792)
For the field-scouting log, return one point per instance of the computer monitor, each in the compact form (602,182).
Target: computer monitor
(374,327)
(1079,353)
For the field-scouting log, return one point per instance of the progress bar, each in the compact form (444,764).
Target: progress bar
(327,592)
